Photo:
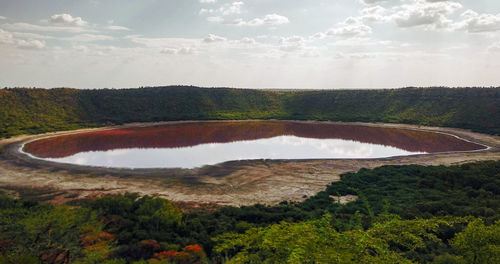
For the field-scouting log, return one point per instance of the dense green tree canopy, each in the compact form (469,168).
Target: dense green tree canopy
(403,214)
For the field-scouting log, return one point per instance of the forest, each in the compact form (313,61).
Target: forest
(403,214)
(32,111)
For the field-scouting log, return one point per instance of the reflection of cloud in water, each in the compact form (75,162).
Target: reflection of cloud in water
(281,147)
(336,147)
(349,149)
(119,152)
(81,161)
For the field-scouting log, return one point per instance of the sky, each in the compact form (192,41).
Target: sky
(292,44)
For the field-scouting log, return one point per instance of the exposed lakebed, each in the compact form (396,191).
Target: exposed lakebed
(194,144)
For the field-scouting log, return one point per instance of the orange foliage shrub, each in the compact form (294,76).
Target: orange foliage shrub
(165,254)
(150,245)
(106,236)
(95,239)
(194,248)
(189,254)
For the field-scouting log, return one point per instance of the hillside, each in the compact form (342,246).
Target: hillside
(404,214)
(31,111)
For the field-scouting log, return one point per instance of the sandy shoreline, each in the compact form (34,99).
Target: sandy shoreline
(230,183)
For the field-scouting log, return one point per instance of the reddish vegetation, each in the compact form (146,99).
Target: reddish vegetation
(190,134)
(166,254)
(56,256)
(5,245)
(150,245)
(189,254)
(96,241)
(194,248)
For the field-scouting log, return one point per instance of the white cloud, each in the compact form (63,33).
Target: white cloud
(476,23)
(162,42)
(169,51)
(30,44)
(271,20)
(319,35)
(186,51)
(207,11)
(311,53)
(369,2)
(89,38)
(291,44)
(81,48)
(9,39)
(56,23)
(374,14)
(362,56)
(2,17)
(247,40)
(93,50)
(237,22)
(67,20)
(32,27)
(207,1)
(494,48)
(267,20)
(216,19)
(351,27)
(26,35)
(179,51)
(234,8)
(433,14)
(435,1)
(213,38)
(225,10)
(6,37)
(118,28)
(368,43)
(430,14)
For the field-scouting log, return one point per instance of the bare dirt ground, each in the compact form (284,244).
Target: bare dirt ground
(231,183)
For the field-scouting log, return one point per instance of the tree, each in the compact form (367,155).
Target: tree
(157,212)
(318,242)
(478,243)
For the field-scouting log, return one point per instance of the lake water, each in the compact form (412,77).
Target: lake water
(190,145)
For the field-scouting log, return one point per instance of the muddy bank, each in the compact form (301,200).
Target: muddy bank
(230,183)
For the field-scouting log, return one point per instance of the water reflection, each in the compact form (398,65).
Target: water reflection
(191,145)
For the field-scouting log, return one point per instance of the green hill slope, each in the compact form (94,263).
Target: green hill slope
(28,111)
